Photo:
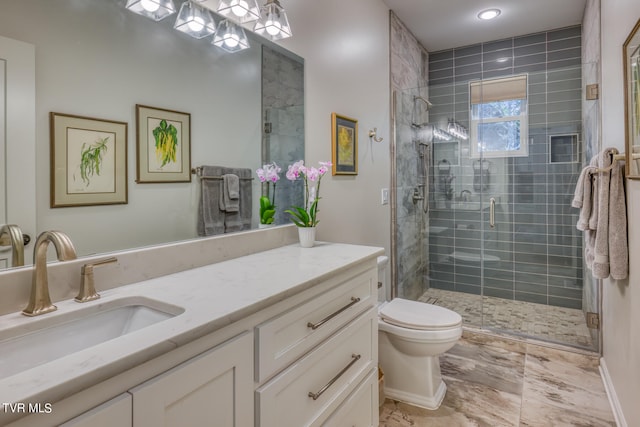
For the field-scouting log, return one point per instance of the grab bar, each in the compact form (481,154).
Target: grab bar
(492,212)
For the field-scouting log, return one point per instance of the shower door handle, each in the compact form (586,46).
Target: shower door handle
(492,212)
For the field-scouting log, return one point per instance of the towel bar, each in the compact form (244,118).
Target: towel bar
(198,171)
(615,157)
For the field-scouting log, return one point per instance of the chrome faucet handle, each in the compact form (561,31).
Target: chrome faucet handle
(87,286)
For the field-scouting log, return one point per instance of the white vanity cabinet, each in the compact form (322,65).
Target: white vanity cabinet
(303,354)
(214,388)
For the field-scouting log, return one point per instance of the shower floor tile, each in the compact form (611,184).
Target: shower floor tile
(548,323)
(496,381)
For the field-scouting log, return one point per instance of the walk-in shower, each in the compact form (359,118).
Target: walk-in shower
(482,221)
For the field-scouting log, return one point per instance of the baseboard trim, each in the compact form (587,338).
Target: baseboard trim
(611,394)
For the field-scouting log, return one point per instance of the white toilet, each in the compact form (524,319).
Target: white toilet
(411,336)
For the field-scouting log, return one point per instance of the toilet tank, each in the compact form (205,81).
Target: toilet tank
(383,285)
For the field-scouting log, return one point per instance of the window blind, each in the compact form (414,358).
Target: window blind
(501,89)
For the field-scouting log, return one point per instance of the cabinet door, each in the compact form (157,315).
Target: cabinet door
(212,389)
(115,412)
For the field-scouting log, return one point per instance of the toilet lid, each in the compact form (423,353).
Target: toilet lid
(419,315)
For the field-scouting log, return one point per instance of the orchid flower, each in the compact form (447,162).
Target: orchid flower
(268,174)
(306,217)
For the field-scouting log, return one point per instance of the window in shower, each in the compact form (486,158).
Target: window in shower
(498,111)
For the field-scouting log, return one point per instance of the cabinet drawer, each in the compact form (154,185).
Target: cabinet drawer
(361,408)
(285,338)
(331,372)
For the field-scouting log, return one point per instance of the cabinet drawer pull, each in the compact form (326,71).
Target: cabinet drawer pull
(315,396)
(315,326)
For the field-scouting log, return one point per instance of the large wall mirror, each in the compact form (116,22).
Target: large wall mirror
(94,58)
(631,52)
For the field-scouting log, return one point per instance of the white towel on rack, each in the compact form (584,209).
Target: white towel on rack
(603,219)
(583,197)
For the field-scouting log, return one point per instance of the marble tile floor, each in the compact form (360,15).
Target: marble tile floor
(548,323)
(494,381)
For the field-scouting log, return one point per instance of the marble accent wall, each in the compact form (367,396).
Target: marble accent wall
(591,127)
(409,70)
(283,130)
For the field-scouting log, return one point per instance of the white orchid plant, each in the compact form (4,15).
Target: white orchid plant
(268,174)
(307,216)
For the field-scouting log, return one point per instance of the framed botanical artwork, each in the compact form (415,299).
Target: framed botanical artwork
(88,161)
(344,145)
(163,145)
(631,56)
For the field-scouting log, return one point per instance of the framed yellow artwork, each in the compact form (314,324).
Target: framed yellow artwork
(344,145)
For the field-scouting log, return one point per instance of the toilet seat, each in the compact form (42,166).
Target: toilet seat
(420,316)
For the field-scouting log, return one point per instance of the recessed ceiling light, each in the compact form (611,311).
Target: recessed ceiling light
(489,14)
(502,59)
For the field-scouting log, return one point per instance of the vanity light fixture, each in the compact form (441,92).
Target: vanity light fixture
(488,14)
(456,129)
(195,20)
(230,37)
(239,10)
(273,23)
(440,135)
(152,9)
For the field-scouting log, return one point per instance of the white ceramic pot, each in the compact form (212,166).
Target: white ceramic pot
(265,225)
(307,236)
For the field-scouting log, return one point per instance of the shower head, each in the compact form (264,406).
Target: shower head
(419,98)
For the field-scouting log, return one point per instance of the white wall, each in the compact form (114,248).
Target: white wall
(345,46)
(621,300)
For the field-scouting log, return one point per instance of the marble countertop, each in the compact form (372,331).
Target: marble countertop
(212,297)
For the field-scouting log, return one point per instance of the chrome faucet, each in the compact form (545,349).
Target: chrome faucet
(40,301)
(10,234)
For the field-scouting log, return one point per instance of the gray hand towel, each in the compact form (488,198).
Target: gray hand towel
(210,217)
(618,245)
(212,220)
(600,268)
(230,200)
(240,220)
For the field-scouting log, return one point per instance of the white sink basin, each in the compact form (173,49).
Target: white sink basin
(45,339)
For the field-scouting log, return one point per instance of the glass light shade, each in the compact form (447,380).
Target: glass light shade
(273,23)
(152,9)
(239,10)
(195,20)
(230,37)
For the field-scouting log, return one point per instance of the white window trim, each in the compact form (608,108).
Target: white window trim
(523,117)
